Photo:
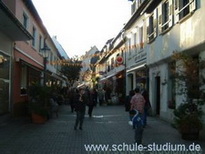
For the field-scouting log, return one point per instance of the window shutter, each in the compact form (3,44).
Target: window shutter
(160,18)
(170,13)
(155,23)
(176,11)
(148,31)
(192,6)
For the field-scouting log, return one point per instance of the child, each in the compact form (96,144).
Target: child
(137,122)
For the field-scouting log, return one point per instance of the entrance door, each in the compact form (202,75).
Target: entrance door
(157,94)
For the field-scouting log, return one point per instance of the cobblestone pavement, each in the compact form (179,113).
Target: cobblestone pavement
(108,127)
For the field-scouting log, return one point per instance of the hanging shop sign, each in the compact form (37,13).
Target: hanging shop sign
(119,59)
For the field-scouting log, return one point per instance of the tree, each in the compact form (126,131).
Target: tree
(188,115)
(71,69)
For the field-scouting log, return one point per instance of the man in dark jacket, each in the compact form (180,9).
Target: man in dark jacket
(80,106)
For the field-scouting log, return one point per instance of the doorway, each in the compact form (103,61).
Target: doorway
(157,94)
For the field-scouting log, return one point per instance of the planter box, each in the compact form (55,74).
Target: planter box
(38,119)
(192,134)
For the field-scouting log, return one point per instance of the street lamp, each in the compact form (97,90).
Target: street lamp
(123,37)
(45,50)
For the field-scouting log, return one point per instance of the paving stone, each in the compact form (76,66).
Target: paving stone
(108,127)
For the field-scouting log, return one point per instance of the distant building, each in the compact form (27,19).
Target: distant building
(61,51)
(88,60)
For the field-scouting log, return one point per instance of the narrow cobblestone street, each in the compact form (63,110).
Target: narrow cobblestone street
(108,126)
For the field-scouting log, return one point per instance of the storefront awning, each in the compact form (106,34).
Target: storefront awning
(135,68)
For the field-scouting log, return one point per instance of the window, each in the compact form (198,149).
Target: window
(4,66)
(135,42)
(141,40)
(165,16)
(34,36)
(184,8)
(40,43)
(25,21)
(112,63)
(133,7)
(129,46)
(151,27)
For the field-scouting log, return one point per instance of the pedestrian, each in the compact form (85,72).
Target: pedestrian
(128,99)
(80,106)
(90,102)
(138,103)
(94,96)
(146,107)
(101,96)
(71,96)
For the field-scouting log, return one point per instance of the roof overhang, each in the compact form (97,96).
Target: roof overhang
(11,26)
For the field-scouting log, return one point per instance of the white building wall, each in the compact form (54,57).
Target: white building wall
(189,35)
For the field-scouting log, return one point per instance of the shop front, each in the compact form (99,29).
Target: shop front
(137,77)
(4,82)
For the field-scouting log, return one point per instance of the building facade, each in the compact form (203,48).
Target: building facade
(154,32)
(35,60)
(11,30)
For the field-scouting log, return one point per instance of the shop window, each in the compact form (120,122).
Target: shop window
(4,66)
(152,27)
(23,80)
(183,8)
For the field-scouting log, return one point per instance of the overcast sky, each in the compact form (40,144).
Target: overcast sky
(81,24)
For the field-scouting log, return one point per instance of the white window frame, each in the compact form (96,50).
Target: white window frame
(180,7)
(165,16)
(152,25)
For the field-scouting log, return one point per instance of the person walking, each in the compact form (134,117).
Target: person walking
(138,103)
(90,102)
(80,106)
(146,107)
(71,95)
(94,96)
(127,101)
(101,96)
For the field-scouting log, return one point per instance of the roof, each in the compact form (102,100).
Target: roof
(60,49)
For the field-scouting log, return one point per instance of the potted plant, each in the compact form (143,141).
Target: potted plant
(39,102)
(188,114)
(188,120)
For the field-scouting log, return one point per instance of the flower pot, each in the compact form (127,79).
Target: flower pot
(191,134)
(38,119)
